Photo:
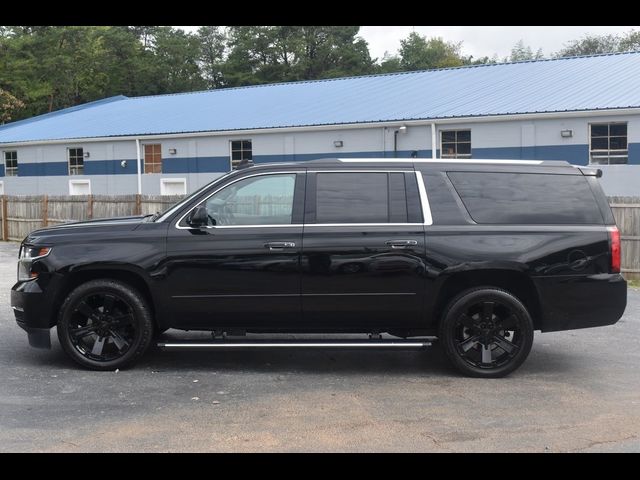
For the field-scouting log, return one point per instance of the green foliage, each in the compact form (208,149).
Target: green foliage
(521,52)
(418,53)
(8,106)
(46,68)
(598,44)
(276,54)
(591,45)
(630,42)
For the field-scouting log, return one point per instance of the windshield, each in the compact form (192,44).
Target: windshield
(162,216)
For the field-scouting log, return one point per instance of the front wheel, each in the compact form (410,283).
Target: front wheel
(486,332)
(105,325)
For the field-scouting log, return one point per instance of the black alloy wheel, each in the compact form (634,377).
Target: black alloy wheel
(486,332)
(105,324)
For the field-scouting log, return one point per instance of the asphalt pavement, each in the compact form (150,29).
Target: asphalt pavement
(579,391)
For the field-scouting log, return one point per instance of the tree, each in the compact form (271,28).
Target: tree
(176,58)
(591,45)
(333,51)
(521,52)
(390,63)
(418,53)
(630,42)
(276,54)
(9,105)
(213,44)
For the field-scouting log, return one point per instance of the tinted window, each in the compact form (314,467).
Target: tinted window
(261,200)
(526,198)
(352,198)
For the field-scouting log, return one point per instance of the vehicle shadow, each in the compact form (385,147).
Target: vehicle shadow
(431,361)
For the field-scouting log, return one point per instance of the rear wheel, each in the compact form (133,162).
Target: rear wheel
(486,332)
(105,324)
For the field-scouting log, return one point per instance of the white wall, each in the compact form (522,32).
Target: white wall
(487,134)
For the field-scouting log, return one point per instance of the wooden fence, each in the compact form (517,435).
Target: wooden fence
(22,214)
(626,210)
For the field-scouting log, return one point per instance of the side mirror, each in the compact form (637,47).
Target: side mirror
(198,217)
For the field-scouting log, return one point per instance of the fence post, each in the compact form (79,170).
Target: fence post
(45,210)
(90,207)
(138,204)
(5,222)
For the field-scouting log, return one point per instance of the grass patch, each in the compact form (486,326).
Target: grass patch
(633,283)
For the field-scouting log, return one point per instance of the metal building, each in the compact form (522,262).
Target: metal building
(585,110)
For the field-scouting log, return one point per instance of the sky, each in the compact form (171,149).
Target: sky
(481,41)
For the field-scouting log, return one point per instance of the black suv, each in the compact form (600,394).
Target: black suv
(479,253)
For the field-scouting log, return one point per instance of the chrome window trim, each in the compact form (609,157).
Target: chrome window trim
(424,202)
(452,161)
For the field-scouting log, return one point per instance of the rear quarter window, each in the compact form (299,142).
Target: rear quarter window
(526,198)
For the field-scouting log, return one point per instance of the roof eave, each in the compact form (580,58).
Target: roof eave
(335,126)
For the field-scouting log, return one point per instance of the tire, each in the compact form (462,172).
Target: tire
(486,332)
(105,325)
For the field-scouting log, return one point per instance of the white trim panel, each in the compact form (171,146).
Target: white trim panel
(168,184)
(80,187)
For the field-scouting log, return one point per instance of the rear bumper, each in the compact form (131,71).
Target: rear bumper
(573,302)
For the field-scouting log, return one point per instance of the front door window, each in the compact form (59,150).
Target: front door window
(260,200)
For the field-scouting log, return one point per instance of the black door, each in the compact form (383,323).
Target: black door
(243,269)
(363,259)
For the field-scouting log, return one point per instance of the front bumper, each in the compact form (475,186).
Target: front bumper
(34,311)
(573,302)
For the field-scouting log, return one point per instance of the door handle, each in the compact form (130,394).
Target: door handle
(401,243)
(279,245)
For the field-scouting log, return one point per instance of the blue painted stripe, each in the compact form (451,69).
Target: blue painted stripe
(575,154)
(303,157)
(634,153)
(43,169)
(196,165)
(110,167)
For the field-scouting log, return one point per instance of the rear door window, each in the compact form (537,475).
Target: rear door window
(355,197)
(526,198)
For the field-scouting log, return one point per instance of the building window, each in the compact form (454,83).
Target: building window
(76,161)
(153,158)
(455,143)
(11,164)
(608,143)
(240,150)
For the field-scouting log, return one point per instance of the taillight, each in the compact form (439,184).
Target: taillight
(614,242)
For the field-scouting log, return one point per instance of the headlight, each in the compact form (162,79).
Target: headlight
(26,257)
(33,252)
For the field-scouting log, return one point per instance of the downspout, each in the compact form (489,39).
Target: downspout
(384,142)
(434,145)
(395,143)
(138,162)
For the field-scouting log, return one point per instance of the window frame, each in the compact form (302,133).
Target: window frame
(608,153)
(144,157)
(242,150)
(76,166)
(12,169)
(456,142)
(298,190)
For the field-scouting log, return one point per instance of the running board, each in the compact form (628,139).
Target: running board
(231,345)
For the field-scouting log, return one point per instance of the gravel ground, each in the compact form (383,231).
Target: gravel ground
(579,391)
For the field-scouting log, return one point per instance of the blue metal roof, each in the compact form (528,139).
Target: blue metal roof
(559,85)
